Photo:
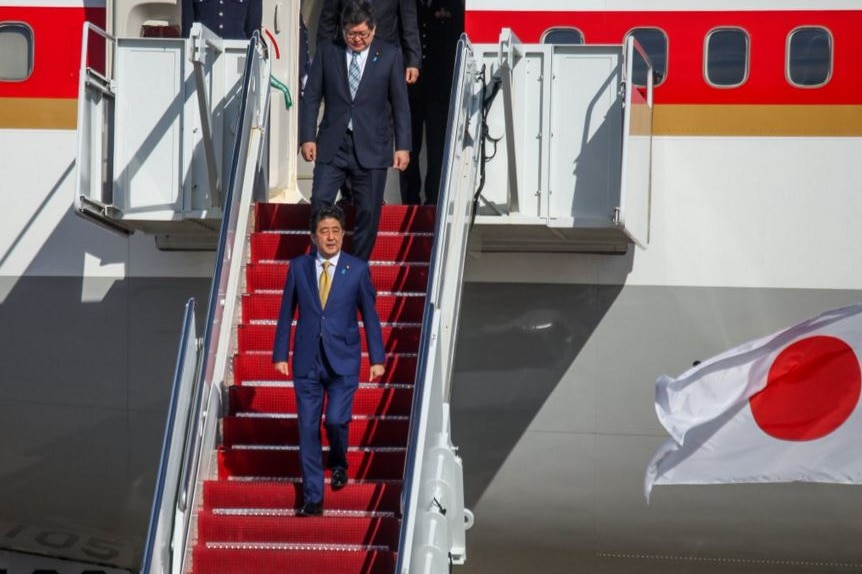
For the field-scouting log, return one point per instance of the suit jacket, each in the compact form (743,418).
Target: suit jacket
(335,326)
(395,24)
(232,19)
(380,99)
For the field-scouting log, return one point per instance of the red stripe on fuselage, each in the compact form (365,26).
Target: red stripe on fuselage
(57,50)
(687,31)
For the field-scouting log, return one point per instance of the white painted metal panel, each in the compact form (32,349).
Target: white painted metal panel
(586,118)
(532,177)
(496,174)
(196,190)
(529,119)
(147,154)
(91,126)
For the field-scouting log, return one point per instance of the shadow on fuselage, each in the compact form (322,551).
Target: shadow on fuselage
(87,369)
(516,342)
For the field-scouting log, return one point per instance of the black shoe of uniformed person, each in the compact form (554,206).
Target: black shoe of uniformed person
(311,509)
(339,479)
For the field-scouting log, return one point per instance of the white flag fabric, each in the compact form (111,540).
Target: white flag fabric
(783,408)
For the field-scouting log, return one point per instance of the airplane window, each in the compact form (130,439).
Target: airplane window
(562,36)
(726,57)
(16,51)
(654,43)
(809,57)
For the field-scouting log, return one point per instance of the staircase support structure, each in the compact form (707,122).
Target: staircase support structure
(577,135)
(157,121)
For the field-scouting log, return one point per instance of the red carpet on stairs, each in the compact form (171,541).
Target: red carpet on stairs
(248,521)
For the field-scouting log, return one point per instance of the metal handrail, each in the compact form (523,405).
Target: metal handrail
(85,48)
(188,347)
(202,381)
(449,242)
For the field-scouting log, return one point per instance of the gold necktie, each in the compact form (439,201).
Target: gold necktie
(325,283)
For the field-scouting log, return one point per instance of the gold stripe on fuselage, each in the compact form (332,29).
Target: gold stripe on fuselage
(757,120)
(667,120)
(38,113)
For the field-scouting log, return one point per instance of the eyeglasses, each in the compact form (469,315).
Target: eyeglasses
(360,35)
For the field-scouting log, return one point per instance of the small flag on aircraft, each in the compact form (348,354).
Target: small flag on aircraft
(783,408)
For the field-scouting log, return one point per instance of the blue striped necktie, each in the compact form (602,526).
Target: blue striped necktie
(353,74)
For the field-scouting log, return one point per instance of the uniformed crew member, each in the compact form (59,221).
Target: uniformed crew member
(230,19)
(441,23)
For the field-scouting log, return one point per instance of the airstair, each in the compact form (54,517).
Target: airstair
(227,487)
(228,484)
(248,517)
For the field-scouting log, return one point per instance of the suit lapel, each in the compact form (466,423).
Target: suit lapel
(311,277)
(339,52)
(371,60)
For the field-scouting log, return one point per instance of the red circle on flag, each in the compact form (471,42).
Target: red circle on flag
(812,388)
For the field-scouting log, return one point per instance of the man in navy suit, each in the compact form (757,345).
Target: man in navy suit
(328,288)
(361,84)
(230,19)
(396,24)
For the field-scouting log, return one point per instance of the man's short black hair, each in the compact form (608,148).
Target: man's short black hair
(327,212)
(357,12)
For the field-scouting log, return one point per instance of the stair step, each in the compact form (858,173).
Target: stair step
(391,308)
(383,464)
(367,496)
(412,277)
(290,529)
(277,431)
(248,521)
(400,368)
(261,337)
(370,399)
(400,218)
(388,247)
(297,561)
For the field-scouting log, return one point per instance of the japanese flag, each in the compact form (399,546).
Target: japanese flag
(782,408)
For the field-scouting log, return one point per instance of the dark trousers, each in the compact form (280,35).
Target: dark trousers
(368,188)
(310,390)
(428,112)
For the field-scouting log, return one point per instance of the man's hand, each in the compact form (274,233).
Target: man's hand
(377,371)
(282,368)
(402,158)
(411,75)
(309,151)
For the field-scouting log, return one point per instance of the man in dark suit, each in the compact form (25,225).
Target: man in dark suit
(230,19)
(441,23)
(396,24)
(328,288)
(361,84)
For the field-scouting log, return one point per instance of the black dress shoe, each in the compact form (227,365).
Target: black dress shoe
(339,479)
(311,509)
